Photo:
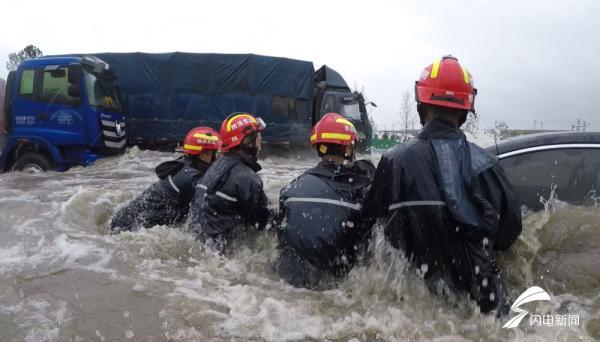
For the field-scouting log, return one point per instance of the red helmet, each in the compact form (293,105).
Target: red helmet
(237,126)
(200,139)
(446,83)
(334,129)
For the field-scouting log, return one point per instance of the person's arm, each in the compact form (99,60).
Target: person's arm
(377,200)
(511,223)
(255,204)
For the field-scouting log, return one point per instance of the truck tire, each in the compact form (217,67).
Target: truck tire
(32,162)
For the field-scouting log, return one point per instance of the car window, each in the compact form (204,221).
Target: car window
(329,104)
(55,87)
(26,86)
(574,172)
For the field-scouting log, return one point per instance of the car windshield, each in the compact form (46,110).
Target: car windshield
(350,110)
(101,92)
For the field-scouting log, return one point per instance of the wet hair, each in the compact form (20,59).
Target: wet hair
(439,111)
(196,157)
(324,149)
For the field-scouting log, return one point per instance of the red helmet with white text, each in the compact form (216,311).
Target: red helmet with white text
(236,127)
(201,139)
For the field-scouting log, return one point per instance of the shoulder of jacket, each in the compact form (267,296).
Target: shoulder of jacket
(481,159)
(405,149)
(243,170)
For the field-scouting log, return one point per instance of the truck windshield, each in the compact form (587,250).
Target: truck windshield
(350,110)
(101,92)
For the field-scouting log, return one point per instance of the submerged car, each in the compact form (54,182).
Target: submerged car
(567,163)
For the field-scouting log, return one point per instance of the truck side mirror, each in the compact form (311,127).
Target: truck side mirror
(74,75)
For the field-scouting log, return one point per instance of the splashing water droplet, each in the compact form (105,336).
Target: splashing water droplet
(129,334)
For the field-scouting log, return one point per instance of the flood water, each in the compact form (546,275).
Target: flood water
(64,277)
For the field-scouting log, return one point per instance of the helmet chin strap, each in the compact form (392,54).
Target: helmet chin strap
(350,156)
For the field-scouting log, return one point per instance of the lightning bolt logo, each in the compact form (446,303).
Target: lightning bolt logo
(532,294)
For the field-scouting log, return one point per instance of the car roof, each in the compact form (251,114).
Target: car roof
(550,139)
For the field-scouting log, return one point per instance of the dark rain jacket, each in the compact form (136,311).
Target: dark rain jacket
(229,197)
(164,202)
(320,219)
(448,205)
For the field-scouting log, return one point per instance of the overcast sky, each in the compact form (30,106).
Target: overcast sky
(530,60)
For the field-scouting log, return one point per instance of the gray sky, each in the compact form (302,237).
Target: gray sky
(530,60)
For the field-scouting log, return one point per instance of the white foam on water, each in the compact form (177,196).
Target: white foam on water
(62,225)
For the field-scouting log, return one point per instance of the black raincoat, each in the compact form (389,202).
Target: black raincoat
(449,206)
(229,198)
(164,202)
(321,231)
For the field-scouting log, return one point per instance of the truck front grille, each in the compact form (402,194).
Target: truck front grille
(113,133)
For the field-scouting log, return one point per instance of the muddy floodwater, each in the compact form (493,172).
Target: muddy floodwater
(64,277)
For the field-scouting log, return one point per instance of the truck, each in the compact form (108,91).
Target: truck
(60,112)
(166,94)
(67,110)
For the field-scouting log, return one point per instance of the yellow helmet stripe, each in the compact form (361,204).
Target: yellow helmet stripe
(238,116)
(340,136)
(204,136)
(313,137)
(192,147)
(435,69)
(465,74)
(345,122)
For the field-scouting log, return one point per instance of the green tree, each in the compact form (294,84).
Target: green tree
(15,58)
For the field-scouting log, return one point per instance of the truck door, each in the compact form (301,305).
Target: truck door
(52,110)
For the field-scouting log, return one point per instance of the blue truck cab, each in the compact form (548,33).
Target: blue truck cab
(60,112)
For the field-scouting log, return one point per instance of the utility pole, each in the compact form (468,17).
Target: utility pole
(576,127)
(580,126)
(541,125)
(534,124)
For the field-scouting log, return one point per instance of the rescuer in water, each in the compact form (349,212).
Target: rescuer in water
(230,196)
(321,232)
(446,202)
(167,201)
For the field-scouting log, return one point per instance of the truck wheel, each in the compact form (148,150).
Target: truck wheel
(32,163)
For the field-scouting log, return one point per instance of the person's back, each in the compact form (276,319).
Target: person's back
(321,231)
(167,200)
(446,202)
(230,196)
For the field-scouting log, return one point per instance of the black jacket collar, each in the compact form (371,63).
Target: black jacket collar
(251,162)
(199,164)
(440,129)
(354,168)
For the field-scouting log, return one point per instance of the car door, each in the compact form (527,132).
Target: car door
(573,173)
